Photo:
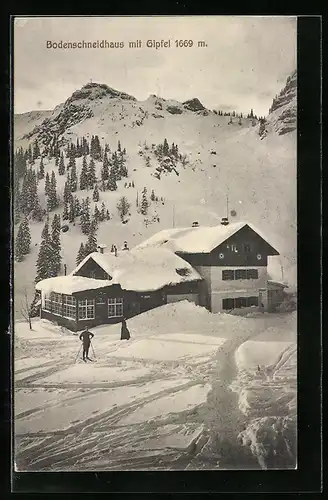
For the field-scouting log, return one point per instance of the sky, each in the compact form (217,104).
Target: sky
(244,65)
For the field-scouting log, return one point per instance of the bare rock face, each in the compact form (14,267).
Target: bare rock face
(193,105)
(76,109)
(174,110)
(283,112)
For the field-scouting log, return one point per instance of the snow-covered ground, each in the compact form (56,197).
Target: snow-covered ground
(266,385)
(172,397)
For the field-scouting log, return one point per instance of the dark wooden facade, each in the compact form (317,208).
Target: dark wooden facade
(244,248)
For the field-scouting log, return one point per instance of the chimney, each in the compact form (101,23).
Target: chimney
(125,247)
(224,221)
(101,247)
(195,224)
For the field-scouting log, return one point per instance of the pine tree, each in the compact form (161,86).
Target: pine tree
(47,185)
(111,185)
(123,207)
(80,254)
(91,175)
(165,148)
(30,154)
(95,195)
(84,174)
(85,216)
(41,169)
(152,195)
(132,184)
(105,168)
(55,242)
(91,244)
(102,212)
(23,240)
(97,214)
(36,150)
(16,198)
(52,201)
(77,207)
(66,213)
(71,210)
(148,161)
(44,267)
(73,176)
(61,166)
(67,189)
(108,217)
(119,146)
(144,202)
(37,212)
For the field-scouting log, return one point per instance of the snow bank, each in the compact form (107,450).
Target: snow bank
(266,384)
(184,316)
(253,353)
(273,441)
(174,403)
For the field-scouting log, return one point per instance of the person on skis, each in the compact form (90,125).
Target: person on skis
(86,337)
(125,334)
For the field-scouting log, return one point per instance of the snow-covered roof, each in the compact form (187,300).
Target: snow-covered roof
(196,239)
(277,283)
(70,284)
(144,269)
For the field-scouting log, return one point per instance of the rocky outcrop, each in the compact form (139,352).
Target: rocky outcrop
(76,109)
(94,91)
(283,112)
(174,110)
(193,105)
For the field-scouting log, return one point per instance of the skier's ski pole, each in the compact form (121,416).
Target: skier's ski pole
(78,353)
(93,351)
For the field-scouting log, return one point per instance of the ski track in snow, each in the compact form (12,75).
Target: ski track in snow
(100,440)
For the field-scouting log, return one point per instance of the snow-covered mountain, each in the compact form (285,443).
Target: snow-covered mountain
(222,156)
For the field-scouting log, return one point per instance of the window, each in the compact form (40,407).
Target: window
(183,271)
(239,302)
(234,248)
(69,307)
(252,274)
(228,274)
(240,274)
(56,300)
(87,309)
(115,307)
(253,301)
(228,304)
(47,303)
